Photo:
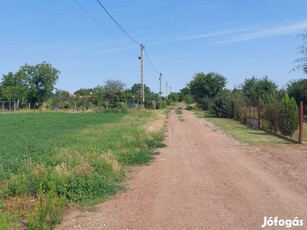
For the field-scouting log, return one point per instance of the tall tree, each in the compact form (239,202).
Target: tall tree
(42,78)
(15,87)
(84,92)
(206,85)
(302,50)
(30,84)
(135,95)
(298,90)
(115,93)
(255,89)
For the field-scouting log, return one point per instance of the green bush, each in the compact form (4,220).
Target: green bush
(189,107)
(268,114)
(288,115)
(224,105)
(204,103)
(48,211)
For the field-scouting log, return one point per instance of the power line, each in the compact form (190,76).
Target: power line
(136,42)
(118,24)
(93,19)
(152,66)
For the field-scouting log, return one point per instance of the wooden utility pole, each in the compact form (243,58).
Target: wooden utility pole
(142,77)
(166,84)
(160,79)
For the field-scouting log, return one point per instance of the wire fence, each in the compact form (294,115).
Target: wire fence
(266,116)
(73,106)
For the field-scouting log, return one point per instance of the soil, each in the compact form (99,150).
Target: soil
(205,180)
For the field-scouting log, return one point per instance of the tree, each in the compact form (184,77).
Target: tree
(303,51)
(224,104)
(205,87)
(16,88)
(59,93)
(114,85)
(30,84)
(298,90)
(98,96)
(41,79)
(288,115)
(135,95)
(114,93)
(84,92)
(174,96)
(185,95)
(258,89)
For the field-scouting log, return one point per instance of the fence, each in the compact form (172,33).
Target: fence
(265,116)
(68,106)
(7,105)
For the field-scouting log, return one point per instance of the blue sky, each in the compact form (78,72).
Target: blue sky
(238,39)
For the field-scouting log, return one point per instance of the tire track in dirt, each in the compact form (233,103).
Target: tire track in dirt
(202,180)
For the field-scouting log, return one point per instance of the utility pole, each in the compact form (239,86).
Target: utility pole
(142,76)
(170,89)
(166,89)
(160,79)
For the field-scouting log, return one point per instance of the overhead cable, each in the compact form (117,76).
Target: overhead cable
(152,66)
(118,24)
(94,20)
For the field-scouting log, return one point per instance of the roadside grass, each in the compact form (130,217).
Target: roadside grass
(296,134)
(48,160)
(178,111)
(242,132)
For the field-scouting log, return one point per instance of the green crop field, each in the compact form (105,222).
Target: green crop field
(60,158)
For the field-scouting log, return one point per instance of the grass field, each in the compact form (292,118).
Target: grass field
(242,132)
(48,160)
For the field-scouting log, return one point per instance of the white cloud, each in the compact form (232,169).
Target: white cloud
(207,35)
(294,28)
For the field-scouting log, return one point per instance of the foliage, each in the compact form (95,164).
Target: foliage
(48,211)
(189,107)
(135,96)
(185,95)
(258,89)
(303,51)
(268,113)
(206,86)
(288,115)
(84,92)
(42,78)
(298,90)
(113,93)
(178,111)
(32,84)
(175,97)
(224,104)
(15,87)
(8,221)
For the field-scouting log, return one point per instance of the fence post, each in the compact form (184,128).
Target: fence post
(301,125)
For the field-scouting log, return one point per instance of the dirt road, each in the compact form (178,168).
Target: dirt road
(202,180)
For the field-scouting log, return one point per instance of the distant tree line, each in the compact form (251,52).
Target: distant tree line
(35,85)
(209,92)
